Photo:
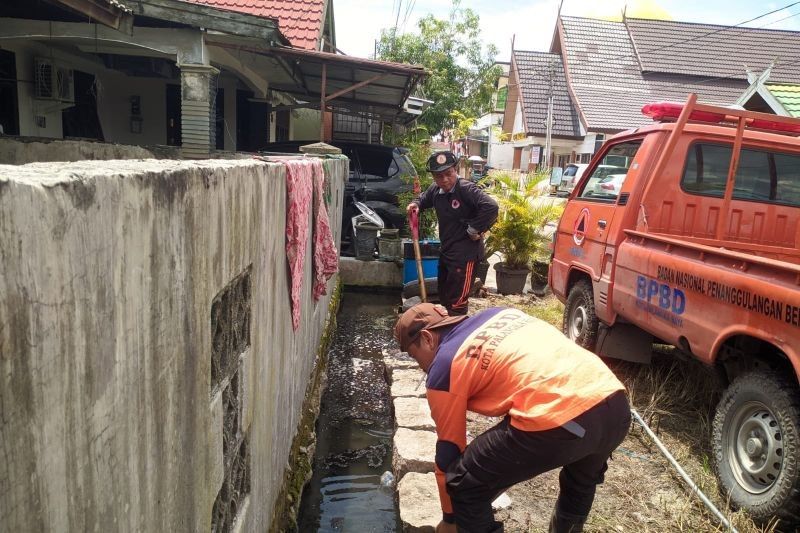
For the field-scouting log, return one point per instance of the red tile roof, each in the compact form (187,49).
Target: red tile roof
(299,20)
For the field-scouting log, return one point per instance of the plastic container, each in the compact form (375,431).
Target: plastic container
(429,249)
(389,245)
(366,233)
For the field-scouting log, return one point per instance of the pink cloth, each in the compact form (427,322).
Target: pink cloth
(326,256)
(298,191)
(305,180)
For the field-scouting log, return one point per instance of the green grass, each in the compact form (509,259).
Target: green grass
(548,309)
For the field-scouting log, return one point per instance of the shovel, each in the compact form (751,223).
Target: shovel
(413,220)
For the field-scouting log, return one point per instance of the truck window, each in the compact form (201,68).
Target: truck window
(607,178)
(707,169)
(762,176)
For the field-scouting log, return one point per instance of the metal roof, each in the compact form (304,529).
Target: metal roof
(712,50)
(788,96)
(533,73)
(610,88)
(351,84)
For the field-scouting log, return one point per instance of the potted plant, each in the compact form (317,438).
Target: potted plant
(518,235)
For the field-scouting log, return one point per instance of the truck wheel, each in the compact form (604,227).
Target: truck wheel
(580,320)
(756,441)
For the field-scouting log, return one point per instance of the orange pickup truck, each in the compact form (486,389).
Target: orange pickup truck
(692,240)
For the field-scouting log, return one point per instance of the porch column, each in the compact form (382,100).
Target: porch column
(198,97)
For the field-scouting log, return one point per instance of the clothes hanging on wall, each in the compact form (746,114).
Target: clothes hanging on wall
(326,256)
(299,188)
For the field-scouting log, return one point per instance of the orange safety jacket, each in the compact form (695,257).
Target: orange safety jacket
(503,362)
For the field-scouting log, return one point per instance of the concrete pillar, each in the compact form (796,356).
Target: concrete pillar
(197,103)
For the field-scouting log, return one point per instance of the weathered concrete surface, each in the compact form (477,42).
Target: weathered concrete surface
(394,358)
(23,150)
(109,271)
(413,413)
(408,382)
(370,273)
(414,451)
(419,503)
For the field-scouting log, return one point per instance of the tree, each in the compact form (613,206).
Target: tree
(462,71)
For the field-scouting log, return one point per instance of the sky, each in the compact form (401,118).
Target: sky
(531,22)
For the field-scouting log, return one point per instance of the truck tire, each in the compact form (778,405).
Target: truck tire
(756,443)
(580,320)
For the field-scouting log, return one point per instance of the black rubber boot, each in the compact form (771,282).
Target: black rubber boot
(566,523)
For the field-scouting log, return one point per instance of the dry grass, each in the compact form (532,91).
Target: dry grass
(676,396)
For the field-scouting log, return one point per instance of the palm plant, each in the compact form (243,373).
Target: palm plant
(525,209)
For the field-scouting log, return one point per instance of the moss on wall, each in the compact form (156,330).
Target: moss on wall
(301,456)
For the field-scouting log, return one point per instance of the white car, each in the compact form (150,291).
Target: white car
(572,174)
(610,185)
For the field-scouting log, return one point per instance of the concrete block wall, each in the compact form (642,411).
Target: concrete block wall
(145,335)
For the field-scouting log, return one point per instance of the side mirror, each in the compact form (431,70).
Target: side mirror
(555,176)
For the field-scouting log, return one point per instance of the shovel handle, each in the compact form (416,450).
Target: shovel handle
(413,219)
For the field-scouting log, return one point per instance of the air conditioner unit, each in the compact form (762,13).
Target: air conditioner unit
(44,81)
(51,82)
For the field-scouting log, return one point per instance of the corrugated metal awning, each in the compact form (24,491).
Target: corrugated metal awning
(340,82)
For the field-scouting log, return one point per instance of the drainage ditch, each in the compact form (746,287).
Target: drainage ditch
(355,426)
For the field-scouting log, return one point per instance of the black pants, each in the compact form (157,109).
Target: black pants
(503,456)
(455,284)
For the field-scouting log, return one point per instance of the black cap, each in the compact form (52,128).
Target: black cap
(441,161)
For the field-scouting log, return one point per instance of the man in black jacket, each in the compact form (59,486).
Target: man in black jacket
(465,213)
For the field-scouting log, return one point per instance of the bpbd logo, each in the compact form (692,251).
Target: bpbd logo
(660,299)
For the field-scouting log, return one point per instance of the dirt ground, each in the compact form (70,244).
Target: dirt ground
(642,492)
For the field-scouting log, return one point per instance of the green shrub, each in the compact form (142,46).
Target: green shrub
(524,212)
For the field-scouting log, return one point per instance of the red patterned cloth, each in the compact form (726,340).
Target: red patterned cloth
(298,191)
(326,256)
(305,181)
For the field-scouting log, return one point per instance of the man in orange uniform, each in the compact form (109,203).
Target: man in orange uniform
(562,407)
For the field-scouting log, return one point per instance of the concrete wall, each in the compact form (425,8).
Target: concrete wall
(501,155)
(123,285)
(22,150)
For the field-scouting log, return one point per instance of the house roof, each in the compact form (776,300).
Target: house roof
(533,73)
(714,51)
(608,82)
(788,96)
(301,21)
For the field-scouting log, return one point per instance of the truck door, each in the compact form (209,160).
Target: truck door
(587,220)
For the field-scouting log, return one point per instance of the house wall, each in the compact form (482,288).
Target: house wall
(113,98)
(501,156)
(114,90)
(29,107)
(512,100)
(130,336)
(113,107)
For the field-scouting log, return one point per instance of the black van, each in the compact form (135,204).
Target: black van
(378,175)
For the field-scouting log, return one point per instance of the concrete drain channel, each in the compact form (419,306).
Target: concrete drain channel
(355,426)
(362,449)
(373,464)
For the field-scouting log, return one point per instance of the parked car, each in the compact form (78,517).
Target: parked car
(572,174)
(378,175)
(610,185)
(699,247)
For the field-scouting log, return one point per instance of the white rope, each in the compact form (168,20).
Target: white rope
(683,473)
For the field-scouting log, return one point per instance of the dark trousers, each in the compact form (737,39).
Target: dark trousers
(455,284)
(503,456)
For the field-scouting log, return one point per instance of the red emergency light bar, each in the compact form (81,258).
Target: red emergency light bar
(672,110)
